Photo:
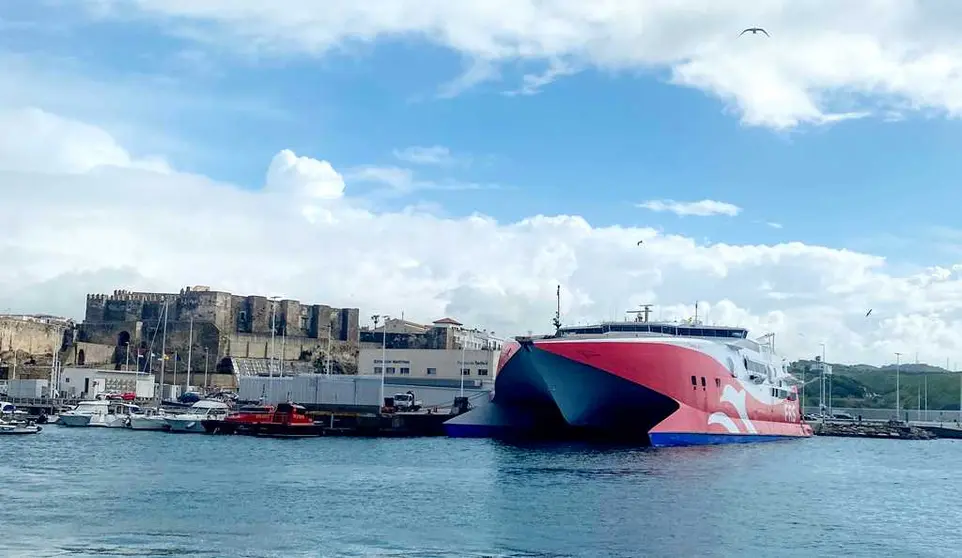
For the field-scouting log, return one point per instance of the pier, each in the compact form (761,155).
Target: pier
(872,429)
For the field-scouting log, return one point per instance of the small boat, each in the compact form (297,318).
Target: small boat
(99,412)
(150,419)
(19,428)
(193,419)
(286,420)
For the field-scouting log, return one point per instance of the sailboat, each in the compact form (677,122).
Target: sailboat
(154,418)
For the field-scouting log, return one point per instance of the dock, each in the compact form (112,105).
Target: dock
(872,429)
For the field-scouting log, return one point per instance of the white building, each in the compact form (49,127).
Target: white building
(87,383)
(470,338)
(430,363)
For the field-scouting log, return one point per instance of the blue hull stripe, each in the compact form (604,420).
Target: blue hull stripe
(676,439)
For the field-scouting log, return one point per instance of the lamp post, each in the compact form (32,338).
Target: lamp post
(383,355)
(898,370)
(821,382)
(270,362)
(464,338)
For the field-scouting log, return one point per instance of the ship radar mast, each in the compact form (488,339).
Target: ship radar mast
(645,311)
(557,314)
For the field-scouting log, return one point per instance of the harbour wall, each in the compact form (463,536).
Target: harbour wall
(885,414)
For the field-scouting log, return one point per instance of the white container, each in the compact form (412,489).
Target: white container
(28,389)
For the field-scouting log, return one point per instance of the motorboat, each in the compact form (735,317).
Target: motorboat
(149,419)
(19,428)
(284,420)
(100,412)
(193,419)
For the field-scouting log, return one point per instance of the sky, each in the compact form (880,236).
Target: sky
(432,158)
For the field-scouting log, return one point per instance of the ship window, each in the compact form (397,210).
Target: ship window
(465,371)
(390,370)
(694,381)
(482,371)
(432,371)
(702,381)
(717,383)
(377,369)
(405,371)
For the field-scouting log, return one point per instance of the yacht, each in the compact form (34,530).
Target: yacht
(192,420)
(99,412)
(149,419)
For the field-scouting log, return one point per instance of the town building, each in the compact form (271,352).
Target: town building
(212,327)
(443,350)
(430,363)
(87,383)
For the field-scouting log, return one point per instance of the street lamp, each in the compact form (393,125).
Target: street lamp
(898,370)
(464,339)
(383,355)
(821,383)
(270,362)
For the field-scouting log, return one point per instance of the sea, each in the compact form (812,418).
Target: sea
(116,492)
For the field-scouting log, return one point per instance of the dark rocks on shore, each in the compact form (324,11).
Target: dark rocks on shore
(891,429)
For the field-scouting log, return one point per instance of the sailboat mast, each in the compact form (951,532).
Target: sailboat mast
(190,347)
(163,352)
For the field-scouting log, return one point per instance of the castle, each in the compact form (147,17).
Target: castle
(216,326)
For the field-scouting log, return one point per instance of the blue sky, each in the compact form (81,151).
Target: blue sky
(843,130)
(592,144)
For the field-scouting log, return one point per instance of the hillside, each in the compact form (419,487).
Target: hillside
(863,385)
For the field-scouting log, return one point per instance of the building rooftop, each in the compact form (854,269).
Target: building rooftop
(447,321)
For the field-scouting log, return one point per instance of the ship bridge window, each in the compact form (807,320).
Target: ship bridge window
(694,381)
(702,381)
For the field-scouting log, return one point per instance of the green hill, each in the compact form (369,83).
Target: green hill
(866,386)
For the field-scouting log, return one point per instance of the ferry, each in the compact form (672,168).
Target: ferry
(662,384)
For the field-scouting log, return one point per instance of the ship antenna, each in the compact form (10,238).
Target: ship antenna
(645,310)
(557,313)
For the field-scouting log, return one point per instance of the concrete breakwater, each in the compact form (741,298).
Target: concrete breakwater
(891,429)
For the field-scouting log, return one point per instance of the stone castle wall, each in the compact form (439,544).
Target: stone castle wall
(30,337)
(223,324)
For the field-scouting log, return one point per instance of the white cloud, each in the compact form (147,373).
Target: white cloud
(434,155)
(703,208)
(315,179)
(825,61)
(774,225)
(134,226)
(32,140)
(402,181)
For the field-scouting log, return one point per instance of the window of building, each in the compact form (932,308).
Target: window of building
(717,383)
(694,381)
(303,322)
(377,369)
(405,371)
(482,371)
(702,381)
(432,371)
(465,371)
(390,370)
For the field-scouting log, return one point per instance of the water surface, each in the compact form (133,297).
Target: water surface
(110,492)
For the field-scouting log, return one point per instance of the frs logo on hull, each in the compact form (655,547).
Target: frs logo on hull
(791,413)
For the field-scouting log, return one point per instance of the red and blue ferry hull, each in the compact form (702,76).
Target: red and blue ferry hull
(629,390)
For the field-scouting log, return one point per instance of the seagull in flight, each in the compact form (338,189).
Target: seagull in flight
(754,31)
(869,312)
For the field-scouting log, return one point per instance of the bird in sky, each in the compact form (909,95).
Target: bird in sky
(869,312)
(754,31)
(640,242)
